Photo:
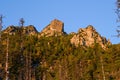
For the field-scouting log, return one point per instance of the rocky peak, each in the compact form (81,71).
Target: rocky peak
(30,30)
(89,28)
(55,28)
(12,30)
(88,37)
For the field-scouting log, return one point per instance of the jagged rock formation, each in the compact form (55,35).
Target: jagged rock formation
(85,36)
(28,30)
(55,28)
(88,37)
(11,30)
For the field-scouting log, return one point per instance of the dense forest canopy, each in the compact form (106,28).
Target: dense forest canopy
(52,54)
(55,58)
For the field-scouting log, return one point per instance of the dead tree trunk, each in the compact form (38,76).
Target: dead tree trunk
(6,65)
(102,66)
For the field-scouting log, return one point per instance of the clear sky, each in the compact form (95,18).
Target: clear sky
(74,13)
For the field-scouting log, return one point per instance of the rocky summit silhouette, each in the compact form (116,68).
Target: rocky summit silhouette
(85,37)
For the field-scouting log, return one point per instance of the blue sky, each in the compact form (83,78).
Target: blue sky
(74,13)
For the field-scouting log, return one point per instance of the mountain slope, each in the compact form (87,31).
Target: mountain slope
(53,56)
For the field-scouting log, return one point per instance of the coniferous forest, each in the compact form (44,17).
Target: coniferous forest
(55,58)
(52,53)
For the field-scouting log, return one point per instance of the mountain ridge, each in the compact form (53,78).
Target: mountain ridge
(84,37)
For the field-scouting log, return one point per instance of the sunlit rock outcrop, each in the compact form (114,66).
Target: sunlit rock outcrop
(88,37)
(27,30)
(55,28)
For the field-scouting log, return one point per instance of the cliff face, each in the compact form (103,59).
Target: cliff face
(88,37)
(55,28)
